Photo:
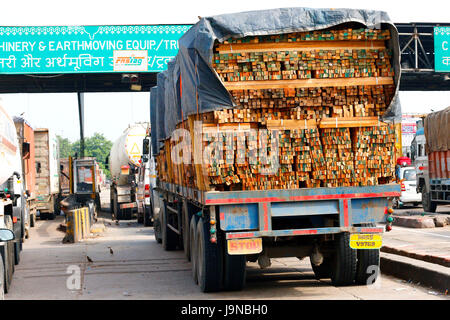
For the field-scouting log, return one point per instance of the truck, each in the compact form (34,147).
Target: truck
(222,228)
(124,162)
(47,173)
(146,180)
(25,134)
(434,180)
(12,195)
(64,177)
(85,183)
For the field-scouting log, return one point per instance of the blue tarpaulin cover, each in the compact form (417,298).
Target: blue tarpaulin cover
(203,91)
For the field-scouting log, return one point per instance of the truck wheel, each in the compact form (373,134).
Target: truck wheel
(169,237)
(8,256)
(186,231)
(234,271)
(2,279)
(33,220)
(192,247)
(157,230)
(51,216)
(209,260)
(140,217)
(427,204)
(147,217)
(367,258)
(343,270)
(17,250)
(324,270)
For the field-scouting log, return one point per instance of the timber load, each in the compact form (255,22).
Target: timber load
(319,98)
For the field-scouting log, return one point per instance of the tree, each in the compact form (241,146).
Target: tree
(96,146)
(65,147)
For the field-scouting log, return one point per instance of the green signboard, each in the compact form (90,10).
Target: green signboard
(442,49)
(88,49)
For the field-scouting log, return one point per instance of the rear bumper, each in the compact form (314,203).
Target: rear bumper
(300,232)
(259,213)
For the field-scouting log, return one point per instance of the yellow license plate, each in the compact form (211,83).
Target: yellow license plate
(244,246)
(365,241)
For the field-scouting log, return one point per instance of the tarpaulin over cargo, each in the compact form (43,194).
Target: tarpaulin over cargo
(437,131)
(153,123)
(203,91)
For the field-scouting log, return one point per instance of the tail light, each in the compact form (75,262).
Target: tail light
(147,190)
(421,168)
(125,170)
(403,187)
(14,219)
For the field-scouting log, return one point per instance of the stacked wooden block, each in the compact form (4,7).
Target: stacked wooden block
(319,95)
(374,154)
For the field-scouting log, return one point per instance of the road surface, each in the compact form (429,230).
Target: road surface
(139,268)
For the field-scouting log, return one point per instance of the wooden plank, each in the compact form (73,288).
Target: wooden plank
(300,46)
(291,124)
(169,160)
(350,122)
(200,181)
(307,83)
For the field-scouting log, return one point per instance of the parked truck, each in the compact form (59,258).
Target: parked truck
(146,180)
(25,134)
(12,195)
(64,177)
(47,173)
(223,227)
(434,180)
(124,163)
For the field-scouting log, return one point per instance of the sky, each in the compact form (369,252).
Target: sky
(110,113)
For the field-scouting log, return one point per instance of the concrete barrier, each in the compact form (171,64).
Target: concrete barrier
(78,223)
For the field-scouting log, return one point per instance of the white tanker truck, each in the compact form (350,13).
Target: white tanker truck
(124,163)
(12,199)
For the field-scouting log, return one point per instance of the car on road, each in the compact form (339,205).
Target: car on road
(409,195)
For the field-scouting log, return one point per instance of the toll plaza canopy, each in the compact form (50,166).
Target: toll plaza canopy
(85,58)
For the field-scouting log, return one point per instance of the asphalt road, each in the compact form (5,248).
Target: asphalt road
(139,268)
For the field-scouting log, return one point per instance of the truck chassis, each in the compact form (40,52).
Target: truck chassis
(259,225)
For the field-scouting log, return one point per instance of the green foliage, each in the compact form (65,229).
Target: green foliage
(96,146)
(65,147)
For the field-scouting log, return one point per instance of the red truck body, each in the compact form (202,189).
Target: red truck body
(25,135)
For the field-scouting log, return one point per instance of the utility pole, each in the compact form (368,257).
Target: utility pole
(80,96)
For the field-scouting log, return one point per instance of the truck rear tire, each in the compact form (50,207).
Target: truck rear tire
(192,247)
(427,204)
(343,270)
(324,270)
(157,231)
(234,271)
(209,260)
(33,220)
(147,216)
(367,258)
(186,230)
(169,237)
(17,250)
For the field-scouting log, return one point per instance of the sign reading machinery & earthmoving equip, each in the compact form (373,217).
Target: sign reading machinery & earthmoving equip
(88,49)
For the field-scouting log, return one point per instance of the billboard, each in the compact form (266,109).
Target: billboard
(442,49)
(88,49)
